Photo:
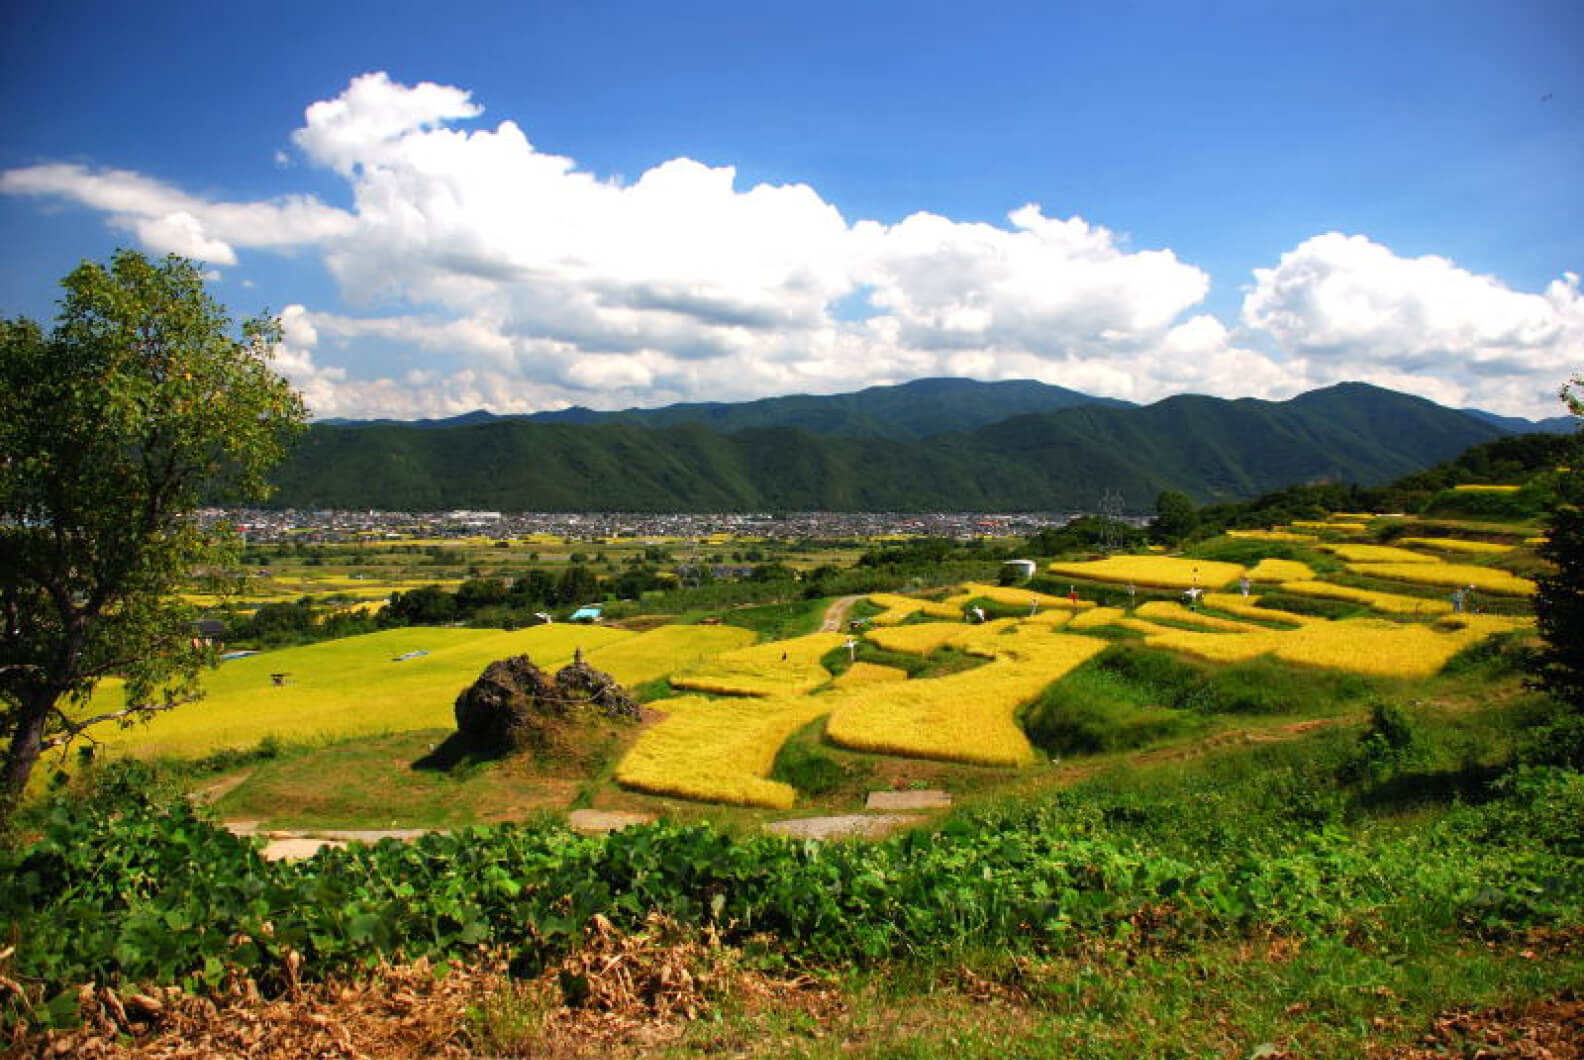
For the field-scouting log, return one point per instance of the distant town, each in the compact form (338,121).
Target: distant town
(268,527)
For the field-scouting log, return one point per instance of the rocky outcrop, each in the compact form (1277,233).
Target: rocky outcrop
(516,706)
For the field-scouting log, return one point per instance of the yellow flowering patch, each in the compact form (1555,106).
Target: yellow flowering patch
(1458,544)
(666,650)
(1170,611)
(1160,571)
(392,681)
(780,667)
(963,717)
(863,673)
(1378,554)
(1280,570)
(719,750)
(1453,575)
(1391,603)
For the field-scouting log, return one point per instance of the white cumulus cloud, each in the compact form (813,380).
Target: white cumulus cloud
(514,279)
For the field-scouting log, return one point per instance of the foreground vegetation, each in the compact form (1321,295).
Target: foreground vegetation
(1320,896)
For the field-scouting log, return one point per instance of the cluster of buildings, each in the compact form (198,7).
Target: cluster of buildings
(265,526)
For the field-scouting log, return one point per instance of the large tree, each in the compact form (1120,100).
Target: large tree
(1559,603)
(139,405)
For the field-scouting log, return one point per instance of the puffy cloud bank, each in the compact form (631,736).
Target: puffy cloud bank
(519,281)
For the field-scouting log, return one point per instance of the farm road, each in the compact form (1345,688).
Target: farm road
(836,614)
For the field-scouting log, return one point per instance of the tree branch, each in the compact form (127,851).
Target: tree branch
(74,729)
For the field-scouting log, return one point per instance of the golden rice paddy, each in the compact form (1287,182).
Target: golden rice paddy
(666,650)
(782,667)
(719,750)
(1458,544)
(1485,489)
(1234,604)
(1390,603)
(1165,572)
(391,681)
(1273,535)
(1096,618)
(963,717)
(899,608)
(1280,570)
(1024,598)
(921,638)
(1453,575)
(865,673)
(1378,554)
(1170,611)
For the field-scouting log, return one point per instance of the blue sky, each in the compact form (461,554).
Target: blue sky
(525,206)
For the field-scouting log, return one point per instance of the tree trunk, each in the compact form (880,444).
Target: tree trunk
(27,743)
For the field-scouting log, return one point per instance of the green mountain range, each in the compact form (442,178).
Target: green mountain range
(947,445)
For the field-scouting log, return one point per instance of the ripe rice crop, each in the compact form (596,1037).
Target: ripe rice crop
(1280,570)
(780,667)
(1171,611)
(1006,594)
(962,717)
(1379,554)
(666,650)
(1390,603)
(1370,646)
(1272,535)
(1454,575)
(719,750)
(1485,489)
(1159,571)
(922,638)
(864,673)
(1334,528)
(1350,517)
(985,638)
(1458,544)
(353,686)
(1235,604)
(898,608)
(1094,619)
(1053,618)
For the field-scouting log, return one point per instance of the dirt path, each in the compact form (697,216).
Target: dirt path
(836,614)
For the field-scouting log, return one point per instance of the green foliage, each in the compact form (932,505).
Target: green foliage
(1175,517)
(136,408)
(793,618)
(1208,448)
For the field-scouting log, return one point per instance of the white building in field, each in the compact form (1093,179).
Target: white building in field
(1024,567)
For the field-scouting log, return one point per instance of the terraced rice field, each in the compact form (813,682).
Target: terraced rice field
(1458,544)
(1280,570)
(1164,572)
(962,717)
(350,687)
(719,750)
(1451,575)
(1371,646)
(1378,554)
(666,650)
(1389,603)
(899,608)
(783,667)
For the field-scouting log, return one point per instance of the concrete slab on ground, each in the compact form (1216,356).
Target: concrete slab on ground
(598,822)
(860,825)
(908,800)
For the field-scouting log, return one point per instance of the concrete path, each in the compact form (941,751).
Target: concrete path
(859,825)
(908,800)
(598,822)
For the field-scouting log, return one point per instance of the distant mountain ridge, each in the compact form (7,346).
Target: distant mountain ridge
(911,410)
(1063,459)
